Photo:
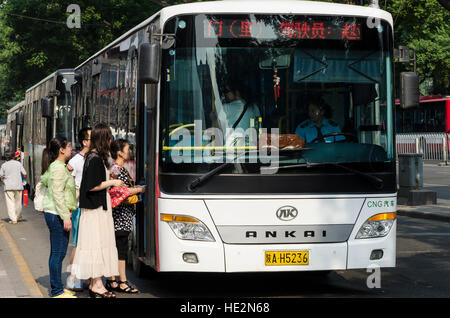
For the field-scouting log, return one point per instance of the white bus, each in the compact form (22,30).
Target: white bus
(175,83)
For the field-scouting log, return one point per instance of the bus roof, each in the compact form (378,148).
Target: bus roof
(250,6)
(16,107)
(275,7)
(60,71)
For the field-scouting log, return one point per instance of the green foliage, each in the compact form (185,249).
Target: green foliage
(35,40)
(424,25)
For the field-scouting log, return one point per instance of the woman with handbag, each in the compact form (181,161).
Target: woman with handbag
(96,253)
(123,213)
(58,203)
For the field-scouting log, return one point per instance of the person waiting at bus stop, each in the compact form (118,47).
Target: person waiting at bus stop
(58,203)
(123,215)
(76,165)
(96,253)
(317,126)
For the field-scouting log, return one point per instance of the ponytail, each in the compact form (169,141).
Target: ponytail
(45,162)
(52,151)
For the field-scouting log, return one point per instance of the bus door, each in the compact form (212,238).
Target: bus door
(146,159)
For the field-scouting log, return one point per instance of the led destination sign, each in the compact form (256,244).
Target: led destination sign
(259,29)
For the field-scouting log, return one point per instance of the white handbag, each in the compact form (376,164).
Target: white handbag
(41,189)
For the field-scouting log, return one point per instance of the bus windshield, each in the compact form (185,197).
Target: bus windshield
(228,81)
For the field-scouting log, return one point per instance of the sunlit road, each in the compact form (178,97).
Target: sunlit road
(423,270)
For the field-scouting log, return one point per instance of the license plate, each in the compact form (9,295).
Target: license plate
(279,258)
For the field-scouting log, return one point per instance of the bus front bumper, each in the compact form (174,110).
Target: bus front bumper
(176,255)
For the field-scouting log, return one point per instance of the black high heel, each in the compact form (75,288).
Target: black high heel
(106,294)
(130,289)
(109,286)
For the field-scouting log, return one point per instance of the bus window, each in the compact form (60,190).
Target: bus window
(222,76)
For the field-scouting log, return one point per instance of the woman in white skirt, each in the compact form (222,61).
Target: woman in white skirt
(96,253)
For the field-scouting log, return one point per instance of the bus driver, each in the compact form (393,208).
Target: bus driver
(317,126)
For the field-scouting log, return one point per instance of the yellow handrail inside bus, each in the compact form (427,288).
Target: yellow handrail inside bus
(181,127)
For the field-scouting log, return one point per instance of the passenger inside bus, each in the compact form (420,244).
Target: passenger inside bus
(318,125)
(236,112)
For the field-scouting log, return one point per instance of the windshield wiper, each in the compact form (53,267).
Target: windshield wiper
(198,181)
(377,182)
(205,177)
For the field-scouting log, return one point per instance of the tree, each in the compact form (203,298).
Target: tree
(425,26)
(35,40)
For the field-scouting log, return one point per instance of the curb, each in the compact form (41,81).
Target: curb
(424,215)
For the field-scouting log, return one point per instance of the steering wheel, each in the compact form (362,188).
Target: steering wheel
(180,127)
(352,137)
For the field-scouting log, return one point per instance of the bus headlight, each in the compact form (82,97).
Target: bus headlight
(188,228)
(377,226)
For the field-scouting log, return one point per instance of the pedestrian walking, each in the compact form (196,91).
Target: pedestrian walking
(123,215)
(12,173)
(59,201)
(96,253)
(75,165)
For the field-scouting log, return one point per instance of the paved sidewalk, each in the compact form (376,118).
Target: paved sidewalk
(436,177)
(439,211)
(16,279)
(6,287)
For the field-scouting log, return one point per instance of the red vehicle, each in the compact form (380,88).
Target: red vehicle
(432,115)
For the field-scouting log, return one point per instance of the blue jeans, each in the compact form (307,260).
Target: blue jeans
(59,239)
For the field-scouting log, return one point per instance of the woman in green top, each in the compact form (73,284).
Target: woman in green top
(59,201)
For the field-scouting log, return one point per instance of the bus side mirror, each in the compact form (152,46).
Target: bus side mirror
(47,107)
(409,85)
(149,62)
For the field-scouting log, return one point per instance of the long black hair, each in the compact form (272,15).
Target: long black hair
(52,151)
(101,138)
(45,162)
